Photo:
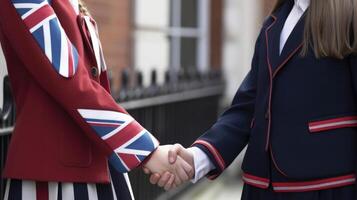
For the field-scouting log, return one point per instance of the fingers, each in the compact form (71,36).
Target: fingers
(189,170)
(181,173)
(164,179)
(173,152)
(167,167)
(169,183)
(154,178)
(177,181)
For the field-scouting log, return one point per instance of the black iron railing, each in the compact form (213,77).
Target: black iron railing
(176,112)
(7,121)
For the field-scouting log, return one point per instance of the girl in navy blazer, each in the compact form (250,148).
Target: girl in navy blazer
(296,109)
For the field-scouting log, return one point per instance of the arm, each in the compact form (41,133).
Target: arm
(229,135)
(32,35)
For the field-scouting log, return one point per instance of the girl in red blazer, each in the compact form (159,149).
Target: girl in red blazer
(68,126)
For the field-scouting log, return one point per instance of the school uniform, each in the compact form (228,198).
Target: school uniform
(68,126)
(296,114)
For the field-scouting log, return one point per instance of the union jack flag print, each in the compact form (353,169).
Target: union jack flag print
(130,142)
(45,27)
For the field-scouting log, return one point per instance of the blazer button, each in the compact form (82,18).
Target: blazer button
(94,71)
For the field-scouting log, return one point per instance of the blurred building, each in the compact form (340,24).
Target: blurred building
(179,34)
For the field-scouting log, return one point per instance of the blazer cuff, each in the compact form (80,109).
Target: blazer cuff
(215,157)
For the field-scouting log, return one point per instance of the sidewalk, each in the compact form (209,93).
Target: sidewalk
(225,188)
(228,186)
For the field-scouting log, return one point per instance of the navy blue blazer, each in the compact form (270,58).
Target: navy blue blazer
(297,114)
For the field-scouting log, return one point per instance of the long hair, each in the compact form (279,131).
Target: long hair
(330,27)
(83,8)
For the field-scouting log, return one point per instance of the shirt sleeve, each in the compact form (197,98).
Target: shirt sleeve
(203,164)
(32,36)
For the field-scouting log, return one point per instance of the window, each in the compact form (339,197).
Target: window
(189,34)
(171,34)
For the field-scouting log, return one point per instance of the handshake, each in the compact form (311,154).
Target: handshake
(170,166)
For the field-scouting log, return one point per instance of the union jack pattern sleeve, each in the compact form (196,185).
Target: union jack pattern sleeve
(45,27)
(130,142)
(53,54)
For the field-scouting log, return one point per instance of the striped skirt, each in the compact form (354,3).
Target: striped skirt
(118,189)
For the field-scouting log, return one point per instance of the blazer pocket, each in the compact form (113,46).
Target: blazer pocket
(333,122)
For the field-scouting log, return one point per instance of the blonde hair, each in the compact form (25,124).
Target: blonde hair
(83,8)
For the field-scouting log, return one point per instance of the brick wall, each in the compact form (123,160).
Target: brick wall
(114,21)
(216,33)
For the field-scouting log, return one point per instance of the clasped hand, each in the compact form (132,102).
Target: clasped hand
(170,166)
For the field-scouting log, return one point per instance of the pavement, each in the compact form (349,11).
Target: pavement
(228,186)
(221,189)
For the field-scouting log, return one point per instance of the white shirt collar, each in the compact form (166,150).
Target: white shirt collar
(302,4)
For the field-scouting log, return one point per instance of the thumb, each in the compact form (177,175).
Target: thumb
(173,152)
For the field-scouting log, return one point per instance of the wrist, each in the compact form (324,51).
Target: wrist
(148,158)
(202,163)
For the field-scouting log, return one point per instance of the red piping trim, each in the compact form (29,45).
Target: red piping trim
(271,79)
(273,74)
(314,185)
(335,123)
(214,152)
(275,164)
(287,59)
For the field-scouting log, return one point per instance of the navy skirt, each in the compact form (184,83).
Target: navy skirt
(342,193)
(118,189)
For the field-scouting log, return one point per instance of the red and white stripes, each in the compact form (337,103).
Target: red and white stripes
(304,186)
(256,181)
(315,185)
(335,123)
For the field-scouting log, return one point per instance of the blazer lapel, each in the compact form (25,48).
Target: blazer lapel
(277,61)
(292,45)
(273,34)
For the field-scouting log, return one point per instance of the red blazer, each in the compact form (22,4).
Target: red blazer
(68,126)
